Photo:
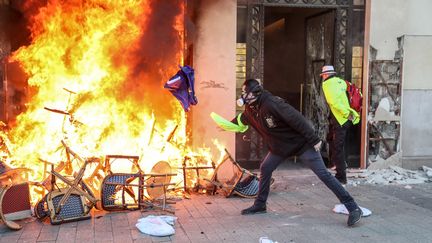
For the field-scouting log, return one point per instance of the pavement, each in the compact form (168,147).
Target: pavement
(299,210)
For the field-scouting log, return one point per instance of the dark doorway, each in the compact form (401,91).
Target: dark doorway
(297,43)
(285,51)
(286,47)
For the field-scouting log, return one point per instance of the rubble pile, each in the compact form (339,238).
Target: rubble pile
(391,175)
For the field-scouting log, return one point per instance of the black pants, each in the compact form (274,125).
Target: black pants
(313,160)
(337,135)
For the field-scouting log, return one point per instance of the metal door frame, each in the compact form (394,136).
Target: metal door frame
(255,34)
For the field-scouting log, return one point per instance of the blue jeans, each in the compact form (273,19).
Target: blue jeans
(313,160)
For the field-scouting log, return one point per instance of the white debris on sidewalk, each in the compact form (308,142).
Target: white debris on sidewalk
(380,163)
(391,175)
(265,239)
(428,171)
(157,225)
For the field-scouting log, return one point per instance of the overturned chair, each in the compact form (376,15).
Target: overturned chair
(14,197)
(72,202)
(126,191)
(231,179)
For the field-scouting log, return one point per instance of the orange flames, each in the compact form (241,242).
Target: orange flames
(104,63)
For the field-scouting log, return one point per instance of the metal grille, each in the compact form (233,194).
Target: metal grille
(255,37)
(255,32)
(308,3)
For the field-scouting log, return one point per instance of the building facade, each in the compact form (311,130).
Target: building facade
(381,46)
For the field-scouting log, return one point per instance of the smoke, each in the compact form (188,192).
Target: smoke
(201,11)
(156,58)
(13,27)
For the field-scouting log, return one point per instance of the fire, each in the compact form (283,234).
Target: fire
(98,67)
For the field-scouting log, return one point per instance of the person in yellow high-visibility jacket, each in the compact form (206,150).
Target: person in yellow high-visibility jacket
(342,116)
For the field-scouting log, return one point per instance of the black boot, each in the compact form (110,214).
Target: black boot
(354,217)
(254,209)
(342,181)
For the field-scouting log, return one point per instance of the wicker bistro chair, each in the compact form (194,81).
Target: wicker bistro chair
(70,203)
(126,191)
(230,178)
(112,185)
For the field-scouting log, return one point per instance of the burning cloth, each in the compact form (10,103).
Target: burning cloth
(182,87)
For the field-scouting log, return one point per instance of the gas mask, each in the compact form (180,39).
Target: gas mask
(240,102)
(246,98)
(243,100)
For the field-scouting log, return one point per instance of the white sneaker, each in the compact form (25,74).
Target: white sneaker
(265,239)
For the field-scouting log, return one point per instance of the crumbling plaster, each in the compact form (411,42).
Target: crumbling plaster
(400,35)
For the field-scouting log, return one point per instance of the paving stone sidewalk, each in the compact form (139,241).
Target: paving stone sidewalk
(299,210)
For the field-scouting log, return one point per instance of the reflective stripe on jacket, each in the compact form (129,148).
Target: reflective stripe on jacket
(334,90)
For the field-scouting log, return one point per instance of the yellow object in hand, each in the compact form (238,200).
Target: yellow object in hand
(227,125)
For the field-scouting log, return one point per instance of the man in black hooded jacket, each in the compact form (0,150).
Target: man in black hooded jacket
(287,133)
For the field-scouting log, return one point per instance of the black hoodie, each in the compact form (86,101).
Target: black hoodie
(283,128)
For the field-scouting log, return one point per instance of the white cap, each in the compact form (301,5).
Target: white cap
(327,69)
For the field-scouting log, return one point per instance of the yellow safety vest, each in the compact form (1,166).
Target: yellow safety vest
(334,90)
